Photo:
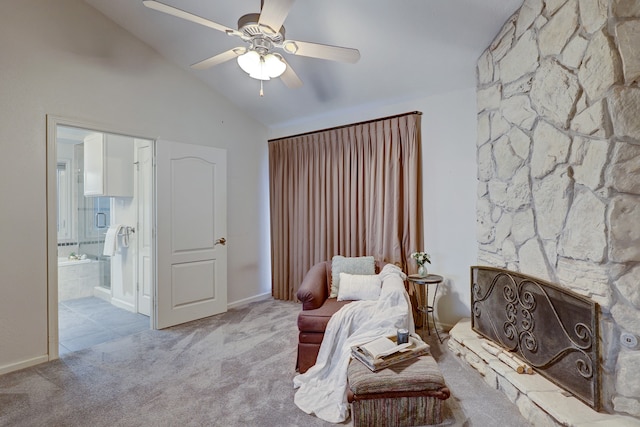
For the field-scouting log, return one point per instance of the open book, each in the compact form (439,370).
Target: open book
(381,347)
(384,351)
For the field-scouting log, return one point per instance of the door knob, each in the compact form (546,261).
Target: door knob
(221,241)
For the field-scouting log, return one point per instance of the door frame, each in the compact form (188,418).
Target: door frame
(52,122)
(148,197)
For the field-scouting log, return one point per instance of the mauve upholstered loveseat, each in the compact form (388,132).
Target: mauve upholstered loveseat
(317,309)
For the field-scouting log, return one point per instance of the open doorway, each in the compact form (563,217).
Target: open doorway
(104,206)
(178,274)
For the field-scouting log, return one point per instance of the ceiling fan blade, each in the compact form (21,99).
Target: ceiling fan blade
(161,7)
(220,58)
(322,51)
(290,78)
(273,14)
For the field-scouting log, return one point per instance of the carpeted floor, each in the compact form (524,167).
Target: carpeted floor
(235,369)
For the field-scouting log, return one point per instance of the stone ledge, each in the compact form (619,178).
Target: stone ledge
(541,393)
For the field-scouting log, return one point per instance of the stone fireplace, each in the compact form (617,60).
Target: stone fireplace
(559,166)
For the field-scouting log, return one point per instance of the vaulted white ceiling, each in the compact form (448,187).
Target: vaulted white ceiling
(409,49)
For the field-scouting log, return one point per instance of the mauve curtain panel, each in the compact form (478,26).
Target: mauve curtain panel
(352,191)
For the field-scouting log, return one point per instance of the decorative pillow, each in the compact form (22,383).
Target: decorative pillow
(355,287)
(351,265)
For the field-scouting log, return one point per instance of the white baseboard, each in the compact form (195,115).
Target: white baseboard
(24,364)
(249,300)
(125,305)
(105,294)
(444,327)
(102,293)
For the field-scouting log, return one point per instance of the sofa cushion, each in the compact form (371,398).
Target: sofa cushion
(351,265)
(357,287)
(316,320)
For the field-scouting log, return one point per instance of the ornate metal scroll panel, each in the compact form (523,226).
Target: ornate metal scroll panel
(553,329)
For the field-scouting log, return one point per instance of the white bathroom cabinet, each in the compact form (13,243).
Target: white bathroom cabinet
(108,165)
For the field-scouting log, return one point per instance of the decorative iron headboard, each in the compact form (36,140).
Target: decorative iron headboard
(553,329)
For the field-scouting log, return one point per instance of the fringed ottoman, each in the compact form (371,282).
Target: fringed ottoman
(409,393)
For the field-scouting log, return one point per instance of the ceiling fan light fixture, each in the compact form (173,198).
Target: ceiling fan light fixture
(261,67)
(274,65)
(249,62)
(263,33)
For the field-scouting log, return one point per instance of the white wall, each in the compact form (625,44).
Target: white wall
(123,283)
(64,58)
(449,185)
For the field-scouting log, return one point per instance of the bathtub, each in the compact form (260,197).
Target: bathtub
(63,262)
(77,278)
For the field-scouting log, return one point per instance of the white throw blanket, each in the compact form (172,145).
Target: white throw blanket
(322,390)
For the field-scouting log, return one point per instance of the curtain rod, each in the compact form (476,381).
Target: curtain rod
(346,126)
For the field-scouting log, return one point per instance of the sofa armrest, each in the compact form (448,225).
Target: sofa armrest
(313,290)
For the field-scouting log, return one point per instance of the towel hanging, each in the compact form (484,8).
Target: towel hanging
(111,241)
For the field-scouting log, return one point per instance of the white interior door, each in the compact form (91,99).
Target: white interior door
(144,225)
(191,228)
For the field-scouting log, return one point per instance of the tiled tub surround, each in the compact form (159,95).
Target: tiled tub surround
(77,279)
(559,164)
(86,246)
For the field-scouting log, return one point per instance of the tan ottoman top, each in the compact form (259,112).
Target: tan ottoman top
(417,374)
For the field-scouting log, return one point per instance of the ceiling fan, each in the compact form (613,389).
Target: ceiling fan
(264,34)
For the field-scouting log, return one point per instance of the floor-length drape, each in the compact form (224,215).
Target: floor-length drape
(352,191)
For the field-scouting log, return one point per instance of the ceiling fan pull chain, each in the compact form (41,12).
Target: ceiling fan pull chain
(261,73)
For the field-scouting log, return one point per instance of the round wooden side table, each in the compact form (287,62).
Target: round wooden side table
(423,304)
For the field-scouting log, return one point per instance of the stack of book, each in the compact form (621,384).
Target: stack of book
(385,351)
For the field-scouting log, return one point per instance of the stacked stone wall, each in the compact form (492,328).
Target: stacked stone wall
(559,163)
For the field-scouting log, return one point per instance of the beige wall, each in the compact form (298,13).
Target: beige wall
(449,185)
(64,58)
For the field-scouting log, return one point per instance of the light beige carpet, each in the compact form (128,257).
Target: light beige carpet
(234,369)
